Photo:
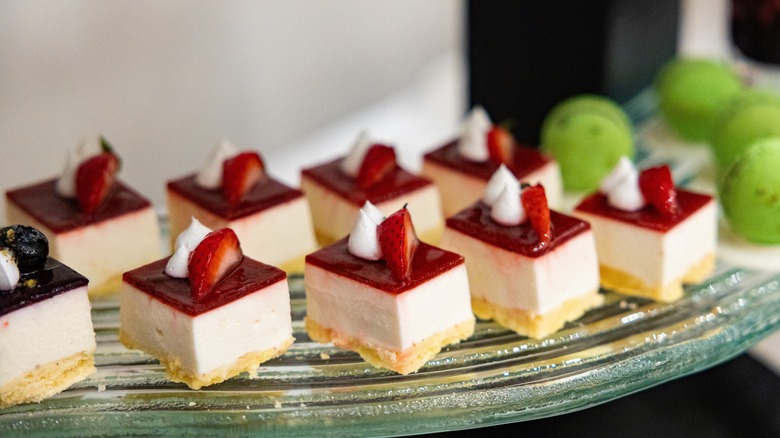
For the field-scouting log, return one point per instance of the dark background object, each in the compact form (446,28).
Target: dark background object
(525,56)
(755,29)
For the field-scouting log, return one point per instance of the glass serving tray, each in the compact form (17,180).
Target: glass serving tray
(492,378)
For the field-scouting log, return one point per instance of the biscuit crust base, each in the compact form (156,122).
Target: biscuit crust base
(532,324)
(627,284)
(402,362)
(47,380)
(174,371)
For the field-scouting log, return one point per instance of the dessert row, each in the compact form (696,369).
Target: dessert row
(211,310)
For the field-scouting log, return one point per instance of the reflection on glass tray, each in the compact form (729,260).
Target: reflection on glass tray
(492,378)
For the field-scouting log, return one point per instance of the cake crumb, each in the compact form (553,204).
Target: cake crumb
(277,404)
(324,356)
(191,404)
(101,388)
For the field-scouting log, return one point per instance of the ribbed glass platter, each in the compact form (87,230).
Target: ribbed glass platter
(492,378)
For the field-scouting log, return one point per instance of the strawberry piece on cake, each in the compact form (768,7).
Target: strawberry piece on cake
(207,313)
(651,237)
(531,269)
(338,189)
(233,190)
(95,223)
(399,301)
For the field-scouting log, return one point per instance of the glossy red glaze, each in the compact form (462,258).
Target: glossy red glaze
(525,161)
(396,183)
(428,262)
(250,276)
(475,221)
(54,279)
(266,194)
(60,215)
(647,217)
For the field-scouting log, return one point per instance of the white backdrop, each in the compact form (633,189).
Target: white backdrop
(165,80)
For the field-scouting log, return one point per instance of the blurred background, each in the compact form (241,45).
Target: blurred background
(297,80)
(165,81)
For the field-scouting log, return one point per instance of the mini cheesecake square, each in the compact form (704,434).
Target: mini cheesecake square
(123,234)
(272,221)
(529,287)
(649,255)
(244,322)
(358,305)
(335,200)
(461,182)
(47,342)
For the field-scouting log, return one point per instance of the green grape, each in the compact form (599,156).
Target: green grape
(587,135)
(750,192)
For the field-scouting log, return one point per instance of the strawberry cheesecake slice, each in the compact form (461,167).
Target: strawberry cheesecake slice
(336,191)
(651,237)
(531,269)
(381,292)
(207,313)
(96,224)
(234,191)
(47,342)
(462,167)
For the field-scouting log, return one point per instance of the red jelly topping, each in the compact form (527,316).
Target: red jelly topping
(525,161)
(250,276)
(266,194)
(60,214)
(647,217)
(428,262)
(396,183)
(54,279)
(475,221)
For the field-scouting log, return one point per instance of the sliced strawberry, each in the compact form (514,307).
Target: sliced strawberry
(240,174)
(215,257)
(658,189)
(378,162)
(94,179)
(535,203)
(398,242)
(501,145)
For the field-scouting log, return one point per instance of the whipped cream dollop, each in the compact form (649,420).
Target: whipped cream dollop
(88,148)
(500,178)
(621,187)
(502,194)
(186,242)
(472,143)
(210,175)
(9,271)
(363,240)
(352,162)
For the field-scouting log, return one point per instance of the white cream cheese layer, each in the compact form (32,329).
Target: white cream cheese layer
(655,257)
(44,332)
(393,322)
(217,338)
(515,281)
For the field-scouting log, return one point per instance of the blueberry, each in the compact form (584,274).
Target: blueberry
(29,245)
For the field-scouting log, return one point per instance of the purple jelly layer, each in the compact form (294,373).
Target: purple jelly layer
(525,161)
(54,279)
(60,214)
(475,221)
(428,262)
(397,183)
(250,276)
(647,217)
(266,194)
